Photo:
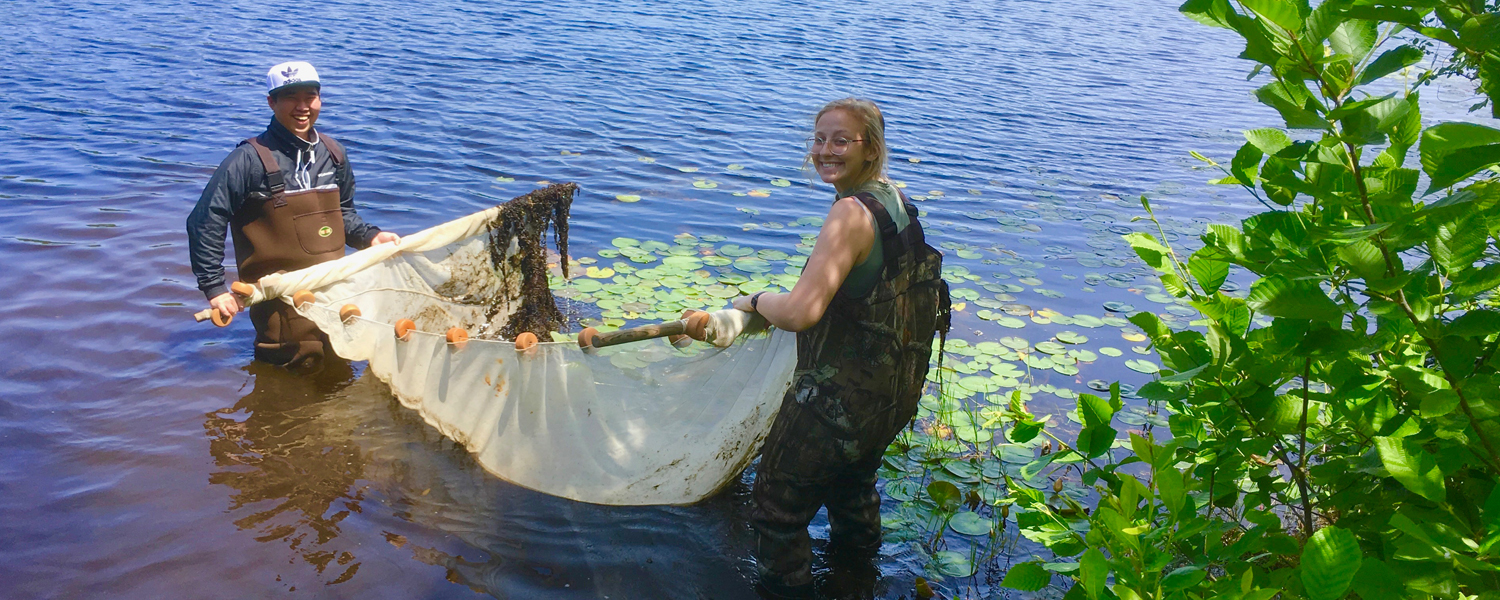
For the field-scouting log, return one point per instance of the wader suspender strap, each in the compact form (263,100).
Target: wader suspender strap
(334,149)
(893,244)
(274,180)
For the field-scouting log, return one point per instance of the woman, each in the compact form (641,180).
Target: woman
(865,309)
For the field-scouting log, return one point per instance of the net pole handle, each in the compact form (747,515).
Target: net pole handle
(636,334)
(239,288)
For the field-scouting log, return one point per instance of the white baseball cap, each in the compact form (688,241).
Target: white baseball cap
(288,74)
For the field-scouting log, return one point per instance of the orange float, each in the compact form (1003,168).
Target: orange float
(301,298)
(458,337)
(586,339)
(404,328)
(526,341)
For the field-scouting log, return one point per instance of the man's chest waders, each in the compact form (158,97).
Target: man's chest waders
(286,231)
(860,372)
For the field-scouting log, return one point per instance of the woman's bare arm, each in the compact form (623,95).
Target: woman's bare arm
(844,242)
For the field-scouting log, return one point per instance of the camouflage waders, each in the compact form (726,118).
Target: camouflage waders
(860,372)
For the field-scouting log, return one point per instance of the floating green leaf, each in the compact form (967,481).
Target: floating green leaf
(1142,366)
(953,564)
(969,523)
(628,198)
(1072,337)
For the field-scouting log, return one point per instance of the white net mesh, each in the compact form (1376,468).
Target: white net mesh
(640,423)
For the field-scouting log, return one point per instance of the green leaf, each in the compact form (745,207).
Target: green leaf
(1376,581)
(1413,467)
(1278,177)
(1095,441)
(1281,12)
(1294,103)
(944,494)
(1458,242)
(1439,403)
(1278,296)
(1183,578)
(1451,152)
(1354,38)
(1246,163)
(1092,570)
(1476,324)
(969,523)
(1323,22)
(1095,411)
(953,564)
(1391,61)
(1150,250)
(1027,577)
(1268,140)
(1364,258)
(1329,562)
(1210,266)
(1477,281)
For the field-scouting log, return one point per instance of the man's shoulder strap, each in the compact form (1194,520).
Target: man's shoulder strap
(274,180)
(335,149)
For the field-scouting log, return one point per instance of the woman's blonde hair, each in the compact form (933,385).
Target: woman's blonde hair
(872,124)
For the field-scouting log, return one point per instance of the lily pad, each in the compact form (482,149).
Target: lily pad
(780,182)
(1010,322)
(628,198)
(1118,307)
(948,562)
(1072,337)
(983,385)
(1014,342)
(1142,366)
(624,242)
(1088,321)
(1111,351)
(1083,355)
(969,523)
(1051,348)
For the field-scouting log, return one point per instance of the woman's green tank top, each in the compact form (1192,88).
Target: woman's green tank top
(863,276)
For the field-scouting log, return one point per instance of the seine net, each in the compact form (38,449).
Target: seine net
(639,423)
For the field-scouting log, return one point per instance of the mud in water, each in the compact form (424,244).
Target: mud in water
(525,221)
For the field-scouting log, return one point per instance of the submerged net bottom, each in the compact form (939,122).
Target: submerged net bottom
(635,424)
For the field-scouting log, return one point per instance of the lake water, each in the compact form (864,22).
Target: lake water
(145,456)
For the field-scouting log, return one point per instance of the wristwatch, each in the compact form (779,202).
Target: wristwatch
(754,299)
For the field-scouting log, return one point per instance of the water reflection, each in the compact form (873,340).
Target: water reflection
(338,471)
(293,475)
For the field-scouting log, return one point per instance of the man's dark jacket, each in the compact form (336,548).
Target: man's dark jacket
(242,176)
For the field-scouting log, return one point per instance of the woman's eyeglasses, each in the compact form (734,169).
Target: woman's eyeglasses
(836,146)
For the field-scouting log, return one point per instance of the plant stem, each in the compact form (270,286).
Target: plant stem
(1302,444)
(1390,268)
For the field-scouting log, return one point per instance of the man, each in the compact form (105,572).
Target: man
(287,196)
